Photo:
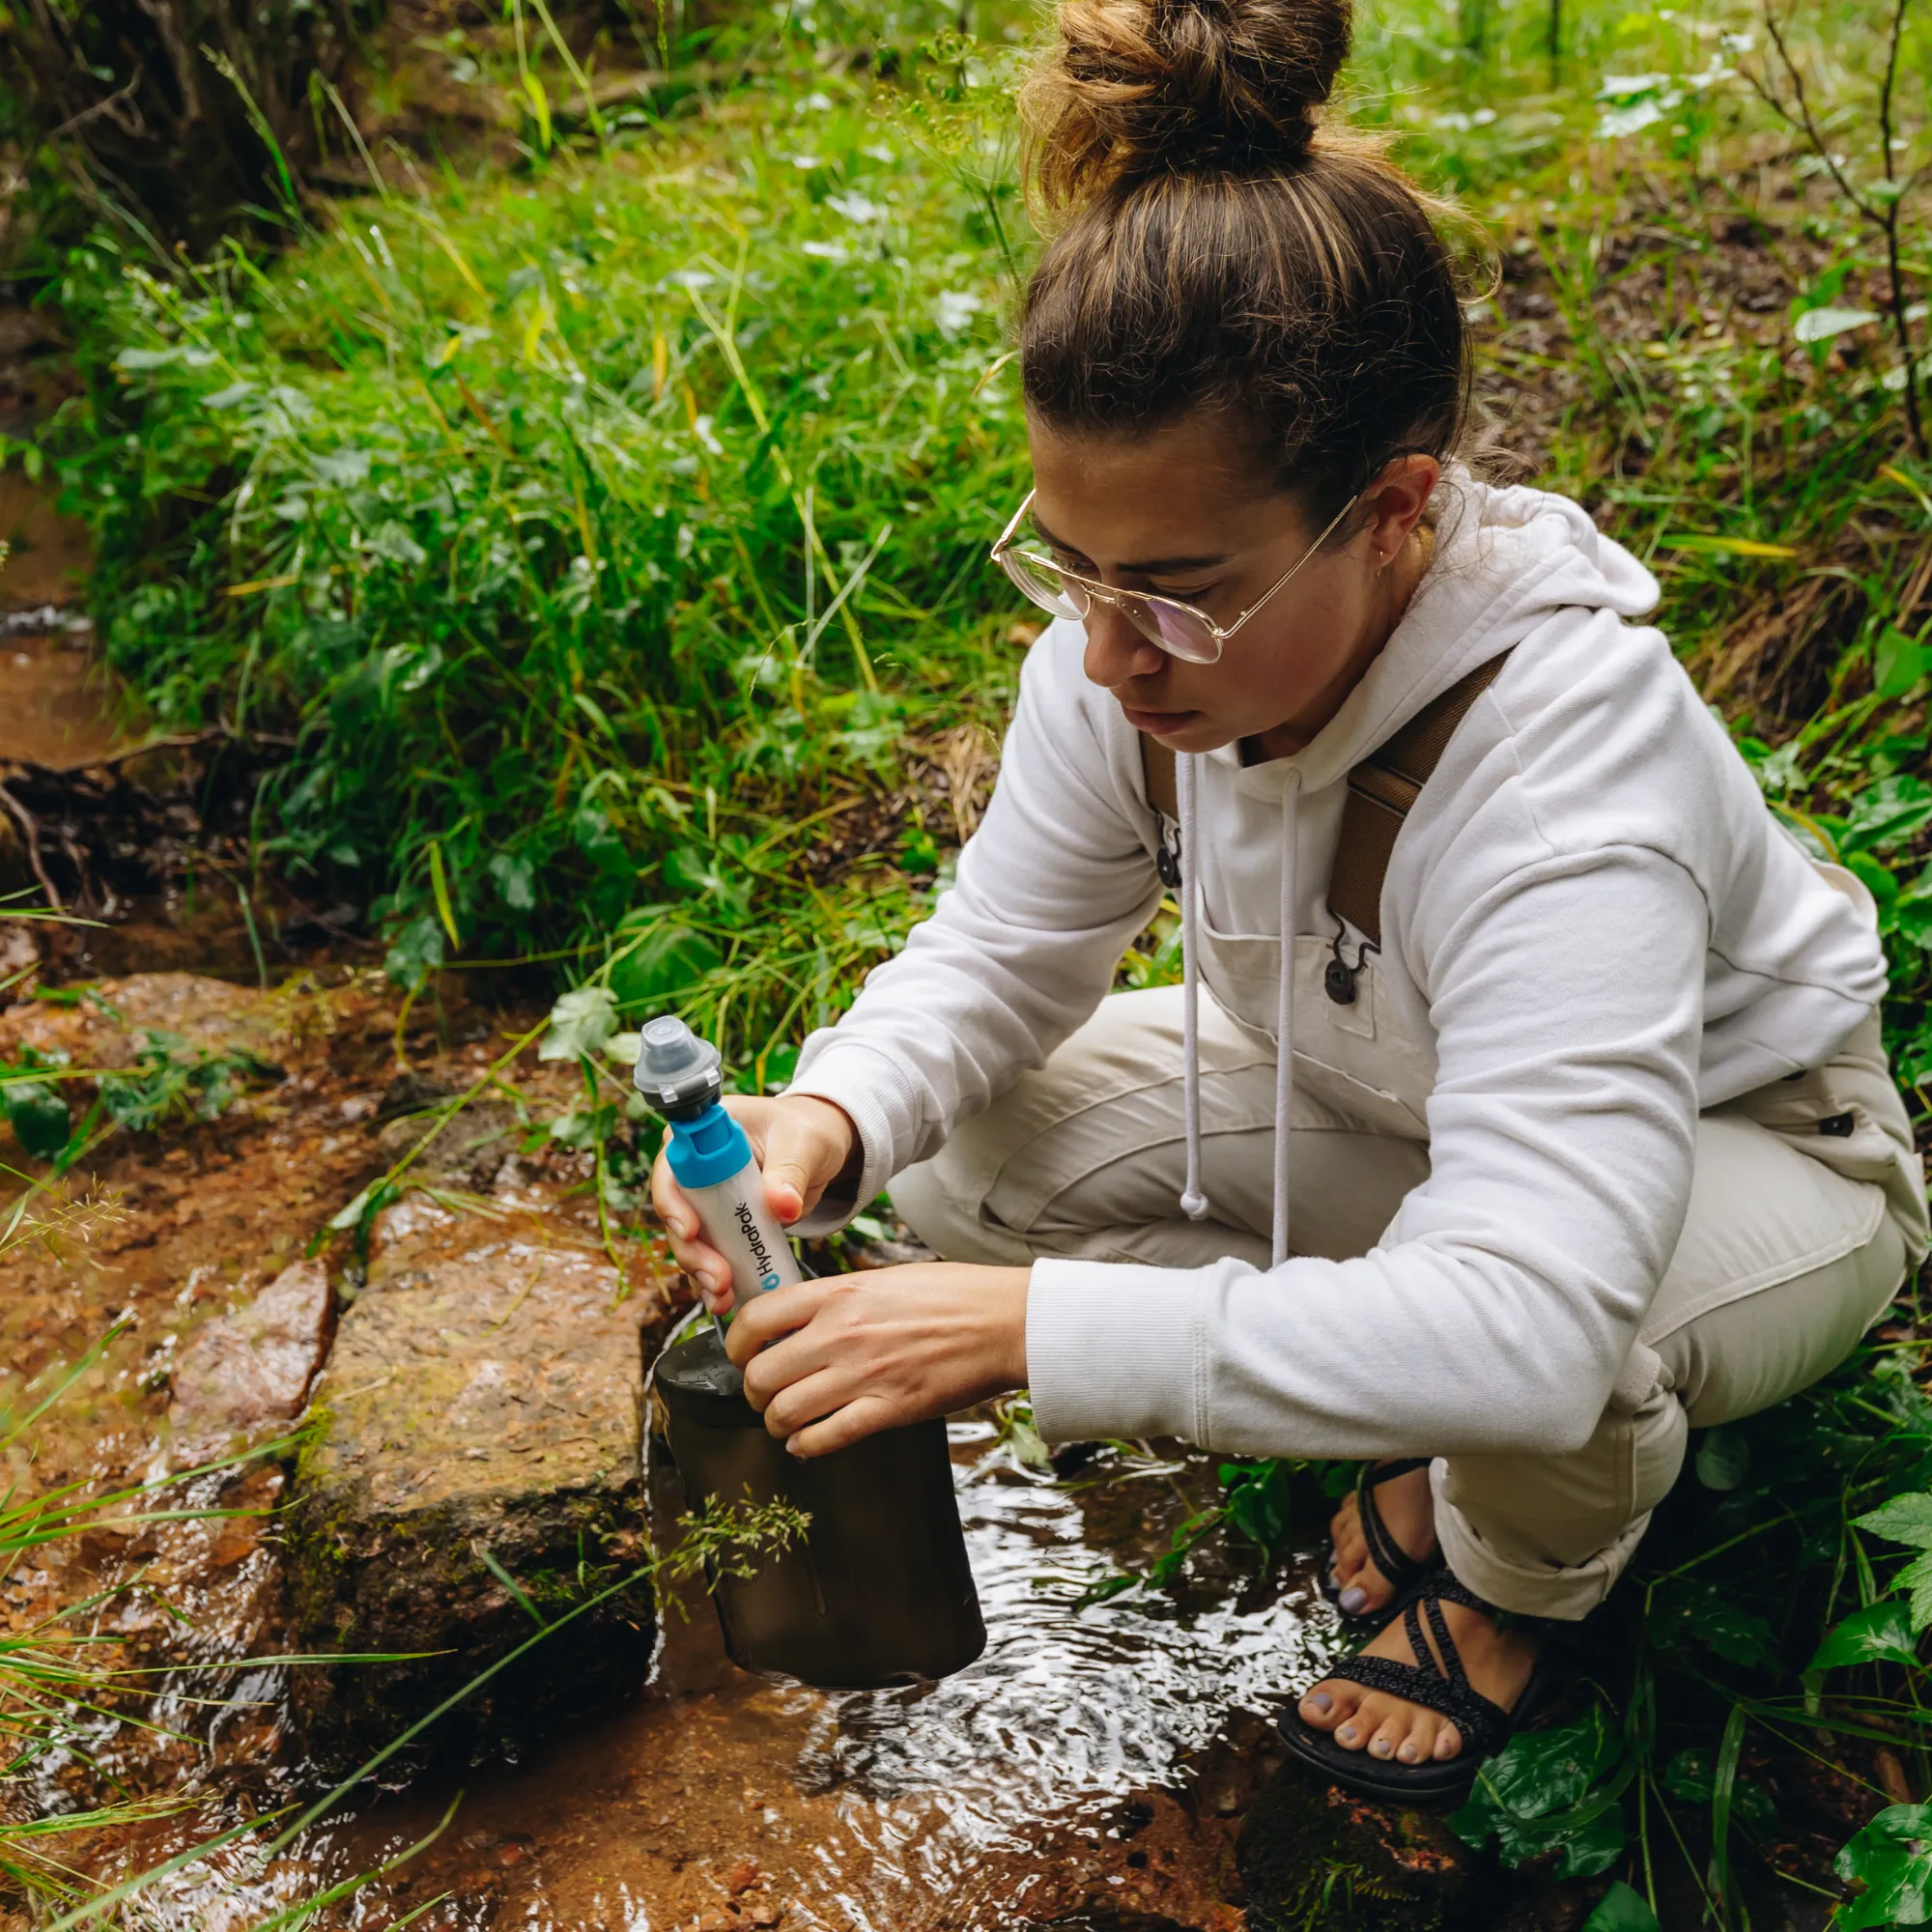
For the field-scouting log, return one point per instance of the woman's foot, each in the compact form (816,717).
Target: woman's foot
(1406,1506)
(1498,1663)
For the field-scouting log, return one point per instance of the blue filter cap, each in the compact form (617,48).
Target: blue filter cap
(708,1148)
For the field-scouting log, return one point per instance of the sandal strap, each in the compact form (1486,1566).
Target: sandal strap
(1484,1726)
(1443,1686)
(1398,1567)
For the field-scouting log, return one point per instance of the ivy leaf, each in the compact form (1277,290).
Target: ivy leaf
(1904,1518)
(38,1113)
(1890,1863)
(580,1023)
(1622,1909)
(1880,1632)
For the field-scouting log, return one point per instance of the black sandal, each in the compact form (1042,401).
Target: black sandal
(1445,1688)
(1403,1573)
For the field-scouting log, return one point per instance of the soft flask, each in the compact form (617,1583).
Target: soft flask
(879,1590)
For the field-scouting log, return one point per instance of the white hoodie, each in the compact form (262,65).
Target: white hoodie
(1592,928)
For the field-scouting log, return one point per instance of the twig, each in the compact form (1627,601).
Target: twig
(1883,217)
(25,820)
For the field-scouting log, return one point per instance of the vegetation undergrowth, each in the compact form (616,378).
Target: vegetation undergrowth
(610,539)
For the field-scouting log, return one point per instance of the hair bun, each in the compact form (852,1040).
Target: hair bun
(1143,87)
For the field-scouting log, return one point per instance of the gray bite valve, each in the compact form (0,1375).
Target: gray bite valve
(677,1073)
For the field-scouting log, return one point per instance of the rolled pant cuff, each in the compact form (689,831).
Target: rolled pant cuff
(1565,1592)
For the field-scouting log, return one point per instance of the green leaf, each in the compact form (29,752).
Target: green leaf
(415,954)
(1884,814)
(1890,1863)
(516,879)
(1902,1520)
(580,1023)
(1820,324)
(1878,1634)
(1877,881)
(38,1113)
(1898,662)
(658,969)
(1688,1612)
(1541,1794)
(1622,1909)
(1917,1577)
(1723,1457)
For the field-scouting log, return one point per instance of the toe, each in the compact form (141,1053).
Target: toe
(1361,1725)
(1330,1703)
(1392,1733)
(1448,1743)
(1419,1745)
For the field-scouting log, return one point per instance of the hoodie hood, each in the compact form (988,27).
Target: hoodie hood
(1505,561)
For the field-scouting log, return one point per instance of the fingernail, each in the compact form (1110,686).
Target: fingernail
(708,1281)
(1322,1700)
(1355,1599)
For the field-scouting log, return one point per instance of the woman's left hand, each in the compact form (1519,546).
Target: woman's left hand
(831,1361)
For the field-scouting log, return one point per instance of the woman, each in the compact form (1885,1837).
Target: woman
(1586,1137)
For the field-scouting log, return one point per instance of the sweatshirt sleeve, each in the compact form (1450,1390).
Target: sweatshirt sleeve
(1050,890)
(1499,1307)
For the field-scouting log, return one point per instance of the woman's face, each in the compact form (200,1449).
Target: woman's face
(1179,512)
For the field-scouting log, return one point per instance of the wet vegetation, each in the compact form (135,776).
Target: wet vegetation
(580,540)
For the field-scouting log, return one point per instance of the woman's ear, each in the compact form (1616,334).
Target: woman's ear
(1395,502)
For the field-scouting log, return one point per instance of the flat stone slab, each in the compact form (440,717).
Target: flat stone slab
(485,1400)
(254,1367)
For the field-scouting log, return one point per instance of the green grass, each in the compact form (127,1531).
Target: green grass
(609,537)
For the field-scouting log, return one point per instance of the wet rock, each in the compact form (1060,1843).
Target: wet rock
(486,1401)
(105,1026)
(466,1154)
(255,1367)
(1313,1856)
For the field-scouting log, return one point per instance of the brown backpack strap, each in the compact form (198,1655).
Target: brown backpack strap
(1163,789)
(1381,789)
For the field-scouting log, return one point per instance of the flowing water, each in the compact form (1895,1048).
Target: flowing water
(1081,1772)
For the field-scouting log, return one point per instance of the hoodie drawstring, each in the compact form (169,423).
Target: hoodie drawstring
(1284,1014)
(1193,1200)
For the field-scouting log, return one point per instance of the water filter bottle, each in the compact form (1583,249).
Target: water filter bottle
(879,1591)
(683,1078)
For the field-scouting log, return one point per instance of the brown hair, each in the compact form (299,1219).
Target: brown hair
(1219,245)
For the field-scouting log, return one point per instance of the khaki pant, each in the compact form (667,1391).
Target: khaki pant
(1794,1244)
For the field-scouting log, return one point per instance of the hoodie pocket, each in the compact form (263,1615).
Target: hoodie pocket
(1351,1057)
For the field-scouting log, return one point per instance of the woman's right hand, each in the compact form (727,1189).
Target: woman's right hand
(802,1143)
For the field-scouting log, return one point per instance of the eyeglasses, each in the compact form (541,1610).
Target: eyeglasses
(1179,629)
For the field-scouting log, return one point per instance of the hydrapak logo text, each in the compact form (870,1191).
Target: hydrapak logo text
(761,1256)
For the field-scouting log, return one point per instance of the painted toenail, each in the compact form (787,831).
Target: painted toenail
(1381,1746)
(1407,1754)
(1355,1599)
(1322,1700)
(1346,1734)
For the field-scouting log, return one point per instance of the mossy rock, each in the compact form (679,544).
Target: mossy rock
(1313,1856)
(491,1404)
